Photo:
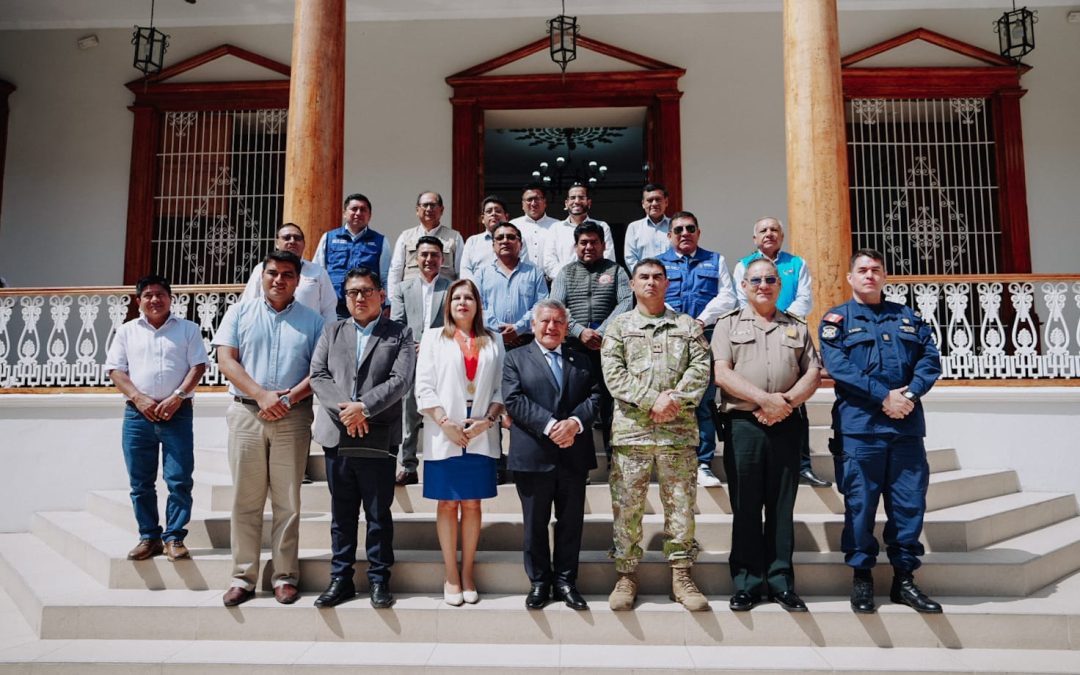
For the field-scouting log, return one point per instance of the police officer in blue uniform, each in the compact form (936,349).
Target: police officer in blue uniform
(883,360)
(352,245)
(699,285)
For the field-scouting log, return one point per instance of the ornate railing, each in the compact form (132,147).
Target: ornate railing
(1000,326)
(57,338)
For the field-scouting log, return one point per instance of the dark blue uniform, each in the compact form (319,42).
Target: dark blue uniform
(870,350)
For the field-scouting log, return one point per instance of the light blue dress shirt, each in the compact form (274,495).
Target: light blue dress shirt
(362,336)
(275,347)
(510,299)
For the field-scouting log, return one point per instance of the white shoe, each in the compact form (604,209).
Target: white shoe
(472,597)
(705,476)
(451,598)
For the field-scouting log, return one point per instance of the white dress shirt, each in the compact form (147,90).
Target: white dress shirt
(560,250)
(427,292)
(156,359)
(535,233)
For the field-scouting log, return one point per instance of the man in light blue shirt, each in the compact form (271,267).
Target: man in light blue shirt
(509,287)
(648,237)
(265,348)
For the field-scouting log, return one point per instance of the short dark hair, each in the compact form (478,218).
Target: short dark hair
(365,273)
(284,225)
(685,214)
(871,253)
(284,257)
(653,187)
(499,226)
(438,197)
(588,227)
(356,196)
(646,262)
(430,241)
(578,184)
(493,199)
(152,280)
(534,186)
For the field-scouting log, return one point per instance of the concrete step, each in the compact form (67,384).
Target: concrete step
(1013,567)
(960,528)
(947,488)
(67,605)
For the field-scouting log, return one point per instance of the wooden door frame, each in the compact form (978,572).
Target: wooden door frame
(655,87)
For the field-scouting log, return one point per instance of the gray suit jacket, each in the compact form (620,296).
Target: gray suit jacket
(384,376)
(407,305)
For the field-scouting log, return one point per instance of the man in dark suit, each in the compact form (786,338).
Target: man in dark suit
(551,396)
(361,369)
(418,303)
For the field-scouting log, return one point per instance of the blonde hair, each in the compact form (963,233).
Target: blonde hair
(482,334)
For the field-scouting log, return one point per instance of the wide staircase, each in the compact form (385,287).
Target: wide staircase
(1001,561)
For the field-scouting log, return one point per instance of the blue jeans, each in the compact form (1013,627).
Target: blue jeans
(141,440)
(706,448)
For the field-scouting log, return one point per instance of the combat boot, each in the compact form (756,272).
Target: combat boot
(685,591)
(905,592)
(625,592)
(862,592)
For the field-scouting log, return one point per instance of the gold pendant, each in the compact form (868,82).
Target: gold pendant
(471,388)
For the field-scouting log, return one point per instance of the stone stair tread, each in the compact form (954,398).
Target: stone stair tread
(1042,541)
(983,508)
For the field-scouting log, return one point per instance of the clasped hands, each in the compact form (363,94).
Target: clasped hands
(352,416)
(773,408)
(896,406)
(156,411)
(665,408)
(460,433)
(270,406)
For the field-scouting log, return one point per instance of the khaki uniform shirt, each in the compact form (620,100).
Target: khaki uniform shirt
(771,355)
(643,356)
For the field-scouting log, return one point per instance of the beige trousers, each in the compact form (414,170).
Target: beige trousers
(267,457)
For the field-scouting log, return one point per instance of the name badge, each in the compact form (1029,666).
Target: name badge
(907,329)
(791,332)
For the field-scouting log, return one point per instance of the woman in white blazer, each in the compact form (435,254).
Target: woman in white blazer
(459,391)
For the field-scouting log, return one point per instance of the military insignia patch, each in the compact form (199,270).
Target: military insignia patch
(833,318)
(829,332)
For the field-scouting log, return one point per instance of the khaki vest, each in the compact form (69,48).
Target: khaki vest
(446,235)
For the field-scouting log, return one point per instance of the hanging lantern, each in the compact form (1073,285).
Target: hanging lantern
(150,45)
(1016,32)
(563,31)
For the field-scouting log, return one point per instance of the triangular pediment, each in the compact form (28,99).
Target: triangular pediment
(226,63)
(593,56)
(923,48)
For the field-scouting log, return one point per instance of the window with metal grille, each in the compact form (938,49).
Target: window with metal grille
(219,193)
(923,181)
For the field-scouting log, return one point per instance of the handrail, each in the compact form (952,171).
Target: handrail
(977,278)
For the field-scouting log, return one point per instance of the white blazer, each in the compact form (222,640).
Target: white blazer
(440,381)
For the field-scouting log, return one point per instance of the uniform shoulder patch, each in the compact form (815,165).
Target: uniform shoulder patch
(730,312)
(829,331)
(795,317)
(833,317)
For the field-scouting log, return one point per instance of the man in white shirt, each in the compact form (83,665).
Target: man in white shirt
(429,211)
(560,248)
(156,361)
(354,244)
(648,237)
(315,290)
(480,248)
(536,224)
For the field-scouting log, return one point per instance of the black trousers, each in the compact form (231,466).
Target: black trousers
(355,483)
(564,489)
(762,465)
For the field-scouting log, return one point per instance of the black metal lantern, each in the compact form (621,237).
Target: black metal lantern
(563,31)
(1016,32)
(150,45)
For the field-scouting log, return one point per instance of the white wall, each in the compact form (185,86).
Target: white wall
(65,188)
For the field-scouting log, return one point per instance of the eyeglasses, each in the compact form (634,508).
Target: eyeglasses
(689,229)
(757,281)
(365,292)
(506,237)
(429,205)
(291,237)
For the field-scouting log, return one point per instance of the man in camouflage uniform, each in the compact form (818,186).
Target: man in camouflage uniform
(656,366)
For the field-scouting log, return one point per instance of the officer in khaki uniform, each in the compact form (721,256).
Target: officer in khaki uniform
(656,366)
(766,366)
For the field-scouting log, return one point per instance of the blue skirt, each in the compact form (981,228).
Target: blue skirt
(467,476)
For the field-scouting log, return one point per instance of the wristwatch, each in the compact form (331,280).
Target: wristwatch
(910,396)
(364,409)
(285,401)
(181,394)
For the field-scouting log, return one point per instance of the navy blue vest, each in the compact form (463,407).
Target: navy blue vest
(343,254)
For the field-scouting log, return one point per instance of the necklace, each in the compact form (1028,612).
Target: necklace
(471,353)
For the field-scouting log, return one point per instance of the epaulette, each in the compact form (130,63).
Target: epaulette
(730,312)
(796,317)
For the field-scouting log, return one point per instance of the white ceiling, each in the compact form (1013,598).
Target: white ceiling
(53,14)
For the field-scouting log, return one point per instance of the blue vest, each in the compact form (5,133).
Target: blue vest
(789,266)
(343,254)
(691,284)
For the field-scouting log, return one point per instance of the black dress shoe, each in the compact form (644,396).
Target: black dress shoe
(568,593)
(381,597)
(905,592)
(743,601)
(862,596)
(808,477)
(789,600)
(339,590)
(538,595)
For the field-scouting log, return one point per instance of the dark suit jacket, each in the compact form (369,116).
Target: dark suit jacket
(385,374)
(529,392)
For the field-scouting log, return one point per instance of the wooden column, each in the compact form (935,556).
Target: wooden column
(314,164)
(819,217)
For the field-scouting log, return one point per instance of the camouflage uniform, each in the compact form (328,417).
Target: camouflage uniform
(641,357)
